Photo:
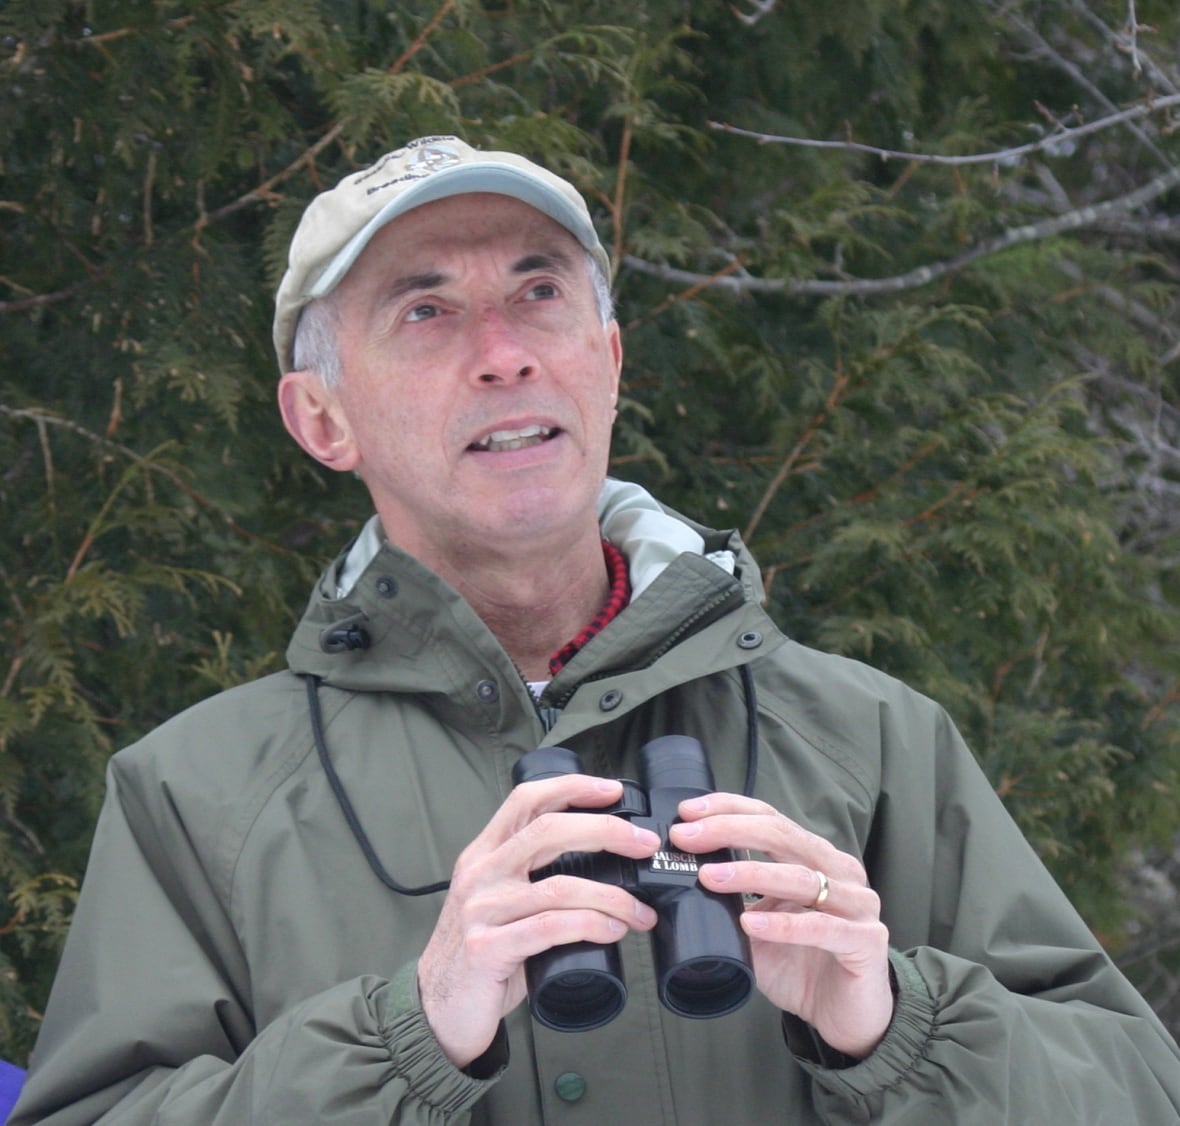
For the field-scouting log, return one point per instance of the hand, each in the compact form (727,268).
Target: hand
(829,962)
(472,971)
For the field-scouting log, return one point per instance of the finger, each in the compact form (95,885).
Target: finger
(858,943)
(511,901)
(494,856)
(512,943)
(530,799)
(730,821)
(706,805)
(794,885)
(551,835)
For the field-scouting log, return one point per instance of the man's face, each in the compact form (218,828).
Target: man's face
(478,383)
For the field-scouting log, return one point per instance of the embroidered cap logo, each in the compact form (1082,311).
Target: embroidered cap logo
(431,158)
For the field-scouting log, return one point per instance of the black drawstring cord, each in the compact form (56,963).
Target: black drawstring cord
(362,839)
(751,730)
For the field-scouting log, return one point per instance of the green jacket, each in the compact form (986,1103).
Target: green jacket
(234,960)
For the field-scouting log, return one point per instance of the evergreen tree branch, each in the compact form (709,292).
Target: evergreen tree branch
(42,419)
(36,845)
(94,530)
(1001,156)
(912,279)
(483,72)
(422,37)
(39,300)
(14,668)
(841,385)
(620,185)
(103,37)
(265,190)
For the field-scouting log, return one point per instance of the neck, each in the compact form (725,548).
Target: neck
(533,601)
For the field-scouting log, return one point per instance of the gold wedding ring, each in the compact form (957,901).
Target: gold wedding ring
(821,896)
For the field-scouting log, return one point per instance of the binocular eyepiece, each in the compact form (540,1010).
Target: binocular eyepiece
(701,954)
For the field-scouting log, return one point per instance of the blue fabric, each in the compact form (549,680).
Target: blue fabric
(11,1080)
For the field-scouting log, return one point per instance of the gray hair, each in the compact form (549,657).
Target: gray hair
(315,347)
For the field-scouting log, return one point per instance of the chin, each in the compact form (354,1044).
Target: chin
(545,510)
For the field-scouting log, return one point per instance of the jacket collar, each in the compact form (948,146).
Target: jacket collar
(399,627)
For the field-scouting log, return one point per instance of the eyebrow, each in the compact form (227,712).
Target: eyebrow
(556,261)
(412,283)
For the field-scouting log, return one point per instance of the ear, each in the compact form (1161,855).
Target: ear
(316,420)
(615,340)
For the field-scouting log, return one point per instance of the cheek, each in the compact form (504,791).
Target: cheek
(378,422)
(379,398)
(601,399)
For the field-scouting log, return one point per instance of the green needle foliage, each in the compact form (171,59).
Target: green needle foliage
(929,367)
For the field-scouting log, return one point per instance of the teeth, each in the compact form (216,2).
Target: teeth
(501,440)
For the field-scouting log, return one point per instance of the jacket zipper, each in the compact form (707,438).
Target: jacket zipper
(670,642)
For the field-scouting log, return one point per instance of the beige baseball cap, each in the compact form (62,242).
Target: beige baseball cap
(338,224)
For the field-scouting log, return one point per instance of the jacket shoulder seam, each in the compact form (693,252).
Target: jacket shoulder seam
(263,794)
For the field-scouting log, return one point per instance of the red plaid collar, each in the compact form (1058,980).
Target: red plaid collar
(620,595)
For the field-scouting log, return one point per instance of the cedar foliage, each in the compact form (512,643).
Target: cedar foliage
(940,399)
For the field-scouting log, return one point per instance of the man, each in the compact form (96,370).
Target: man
(268,933)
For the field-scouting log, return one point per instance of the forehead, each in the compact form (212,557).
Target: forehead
(452,228)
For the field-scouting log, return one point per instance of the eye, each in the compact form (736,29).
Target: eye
(542,291)
(423,312)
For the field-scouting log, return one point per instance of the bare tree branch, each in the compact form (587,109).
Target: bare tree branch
(1032,36)
(1133,310)
(1133,37)
(1128,44)
(762,8)
(923,275)
(1002,156)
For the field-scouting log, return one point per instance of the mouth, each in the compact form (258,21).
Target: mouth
(500,441)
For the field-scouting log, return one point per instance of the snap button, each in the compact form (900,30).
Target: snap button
(487,691)
(750,640)
(570,1086)
(610,700)
(386,587)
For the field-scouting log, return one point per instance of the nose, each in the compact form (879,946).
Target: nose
(496,377)
(502,354)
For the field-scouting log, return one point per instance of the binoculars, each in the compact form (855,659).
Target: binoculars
(701,954)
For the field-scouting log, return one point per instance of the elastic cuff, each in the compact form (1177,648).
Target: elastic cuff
(900,1050)
(419,1059)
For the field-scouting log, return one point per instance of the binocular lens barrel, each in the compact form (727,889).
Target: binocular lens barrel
(708,987)
(701,957)
(576,987)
